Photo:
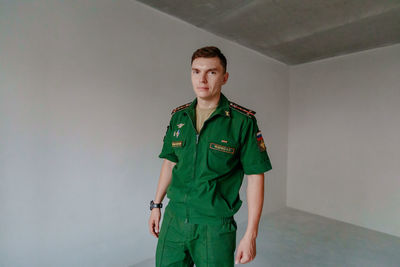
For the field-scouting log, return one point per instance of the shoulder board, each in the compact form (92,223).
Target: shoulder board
(181,108)
(241,109)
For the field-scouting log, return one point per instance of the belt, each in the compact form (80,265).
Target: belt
(190,215)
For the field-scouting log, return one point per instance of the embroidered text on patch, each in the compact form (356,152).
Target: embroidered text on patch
(177,144)
(225,149)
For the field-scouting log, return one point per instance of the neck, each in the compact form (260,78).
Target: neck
(208,103)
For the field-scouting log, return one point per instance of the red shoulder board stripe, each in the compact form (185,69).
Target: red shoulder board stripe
(242,109)
(180,108)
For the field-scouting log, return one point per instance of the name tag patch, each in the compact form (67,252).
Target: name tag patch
(176,143)
(221,148)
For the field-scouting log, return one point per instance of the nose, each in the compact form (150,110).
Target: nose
(203,78)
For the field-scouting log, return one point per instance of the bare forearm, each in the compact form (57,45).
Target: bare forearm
(255,201)
(164,180)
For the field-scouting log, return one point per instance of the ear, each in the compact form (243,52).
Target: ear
(225,78)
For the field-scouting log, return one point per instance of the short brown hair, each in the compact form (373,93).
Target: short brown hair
(208,52)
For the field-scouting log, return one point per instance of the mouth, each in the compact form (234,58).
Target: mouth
(202,88)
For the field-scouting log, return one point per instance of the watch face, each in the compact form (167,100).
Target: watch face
(153,205)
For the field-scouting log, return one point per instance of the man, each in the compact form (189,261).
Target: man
(209,145)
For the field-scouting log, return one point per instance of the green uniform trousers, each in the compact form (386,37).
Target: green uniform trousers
(206,242)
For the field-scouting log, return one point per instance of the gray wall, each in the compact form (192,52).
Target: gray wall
(86,90)
(344,144)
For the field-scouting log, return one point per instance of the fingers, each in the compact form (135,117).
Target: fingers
(238,256)
(157,227)
(245,259)
(152,228)
(242,257)
(154,222)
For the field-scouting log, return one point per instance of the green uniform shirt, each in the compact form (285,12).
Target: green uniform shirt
(211,164)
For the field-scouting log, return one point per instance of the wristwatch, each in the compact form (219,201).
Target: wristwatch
(155,205)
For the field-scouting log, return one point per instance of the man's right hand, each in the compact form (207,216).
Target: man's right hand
(154,221)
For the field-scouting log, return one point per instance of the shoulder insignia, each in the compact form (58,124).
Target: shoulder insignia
(181,107)
(242,109)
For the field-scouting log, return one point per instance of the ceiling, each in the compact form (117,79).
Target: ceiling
(293,31)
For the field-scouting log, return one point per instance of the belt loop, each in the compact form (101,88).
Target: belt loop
(227,219)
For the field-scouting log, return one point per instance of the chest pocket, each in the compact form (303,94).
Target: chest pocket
(222,155)
(178,146)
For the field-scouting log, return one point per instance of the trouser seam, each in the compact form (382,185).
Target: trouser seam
(165,237)
(207,244)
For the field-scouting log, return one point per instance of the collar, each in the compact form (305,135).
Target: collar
(223,108)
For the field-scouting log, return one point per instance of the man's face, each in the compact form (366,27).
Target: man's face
(208,77)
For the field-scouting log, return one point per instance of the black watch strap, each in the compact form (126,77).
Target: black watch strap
(155,205)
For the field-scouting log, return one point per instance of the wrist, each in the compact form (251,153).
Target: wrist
(250,235)
(154,205)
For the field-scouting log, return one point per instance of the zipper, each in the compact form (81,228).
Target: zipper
(195,160)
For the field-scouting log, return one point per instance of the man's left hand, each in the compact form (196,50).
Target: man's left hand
(246,251)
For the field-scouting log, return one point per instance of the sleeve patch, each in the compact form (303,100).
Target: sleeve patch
(260,142)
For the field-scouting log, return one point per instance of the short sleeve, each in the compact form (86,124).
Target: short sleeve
(253,153)
(167,151)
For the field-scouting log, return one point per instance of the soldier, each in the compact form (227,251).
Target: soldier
(209,145)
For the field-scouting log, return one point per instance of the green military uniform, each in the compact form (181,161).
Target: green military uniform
(198,224)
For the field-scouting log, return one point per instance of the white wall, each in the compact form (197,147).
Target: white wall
(344,145)
(86,89)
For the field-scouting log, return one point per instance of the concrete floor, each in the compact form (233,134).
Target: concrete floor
(291,237)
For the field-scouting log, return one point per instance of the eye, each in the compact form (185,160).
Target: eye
(213,72)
